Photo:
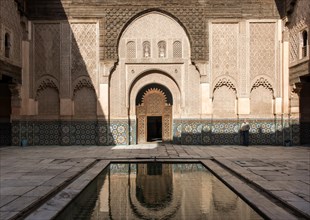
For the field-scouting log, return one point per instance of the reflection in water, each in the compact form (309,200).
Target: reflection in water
(157,191)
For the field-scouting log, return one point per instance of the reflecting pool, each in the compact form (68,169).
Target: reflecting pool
(157,191)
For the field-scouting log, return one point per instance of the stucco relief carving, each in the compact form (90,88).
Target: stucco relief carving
(47,50)
(44,83)
(10,20)
(225,50)
(262,82)
(84,50)
(225,82)
(135,71)
(80,83)
(299,20)
(154,103)
(155,78)
(262,49)
(192,19)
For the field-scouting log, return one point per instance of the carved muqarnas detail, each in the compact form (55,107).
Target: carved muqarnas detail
(154,91)
(225,82)
(81,84)
(262,82)
(46,83)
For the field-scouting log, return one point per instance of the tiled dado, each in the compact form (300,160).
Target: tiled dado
(71,132)
(227,132)
(123,132)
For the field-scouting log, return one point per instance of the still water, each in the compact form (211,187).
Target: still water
(157,191)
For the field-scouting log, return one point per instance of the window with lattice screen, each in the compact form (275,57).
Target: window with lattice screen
(131,49)
(177,49)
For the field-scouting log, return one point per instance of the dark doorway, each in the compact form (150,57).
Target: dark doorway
(5,111)
(154,128)
(305,113)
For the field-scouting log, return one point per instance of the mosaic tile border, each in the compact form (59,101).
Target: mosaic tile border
(277,131)
(68,133)
(227,132)
(5,134)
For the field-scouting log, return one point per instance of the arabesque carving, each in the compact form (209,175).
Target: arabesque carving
(262,82)
(84,82)
(154,103)
(191,17)
(225,82)
(46,83)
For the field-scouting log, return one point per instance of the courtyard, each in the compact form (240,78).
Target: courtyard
(37,182)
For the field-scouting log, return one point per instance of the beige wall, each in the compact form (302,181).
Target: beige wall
(245,62)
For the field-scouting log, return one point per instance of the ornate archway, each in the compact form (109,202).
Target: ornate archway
(154,114)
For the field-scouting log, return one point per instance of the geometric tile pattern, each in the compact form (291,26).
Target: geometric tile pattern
(185,131)
(119,132)
(132,132)
(82,133)
(5,134)
(227,132)
(70,132)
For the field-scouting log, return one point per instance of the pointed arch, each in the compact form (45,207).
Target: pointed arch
(47,96)
(225,82)
(46,82)
(262,81)
(84,97)
(261,98)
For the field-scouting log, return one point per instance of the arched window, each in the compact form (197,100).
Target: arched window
(177,49)
(161,49)
(131,49)
(304,43)
(7,45)
(146,49)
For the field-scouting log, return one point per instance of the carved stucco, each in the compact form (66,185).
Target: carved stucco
(262,49)
(10,23)
(225,49)
(164,28)
(132,69)
(298,21)
(84,49)
(47,50)
(191,18)
(158,78)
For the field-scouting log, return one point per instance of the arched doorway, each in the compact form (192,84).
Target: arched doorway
(154,114)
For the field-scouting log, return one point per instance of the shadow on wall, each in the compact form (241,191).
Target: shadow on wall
(65,76)
(221,132)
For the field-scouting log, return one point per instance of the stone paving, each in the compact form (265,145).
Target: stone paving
(30,175)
